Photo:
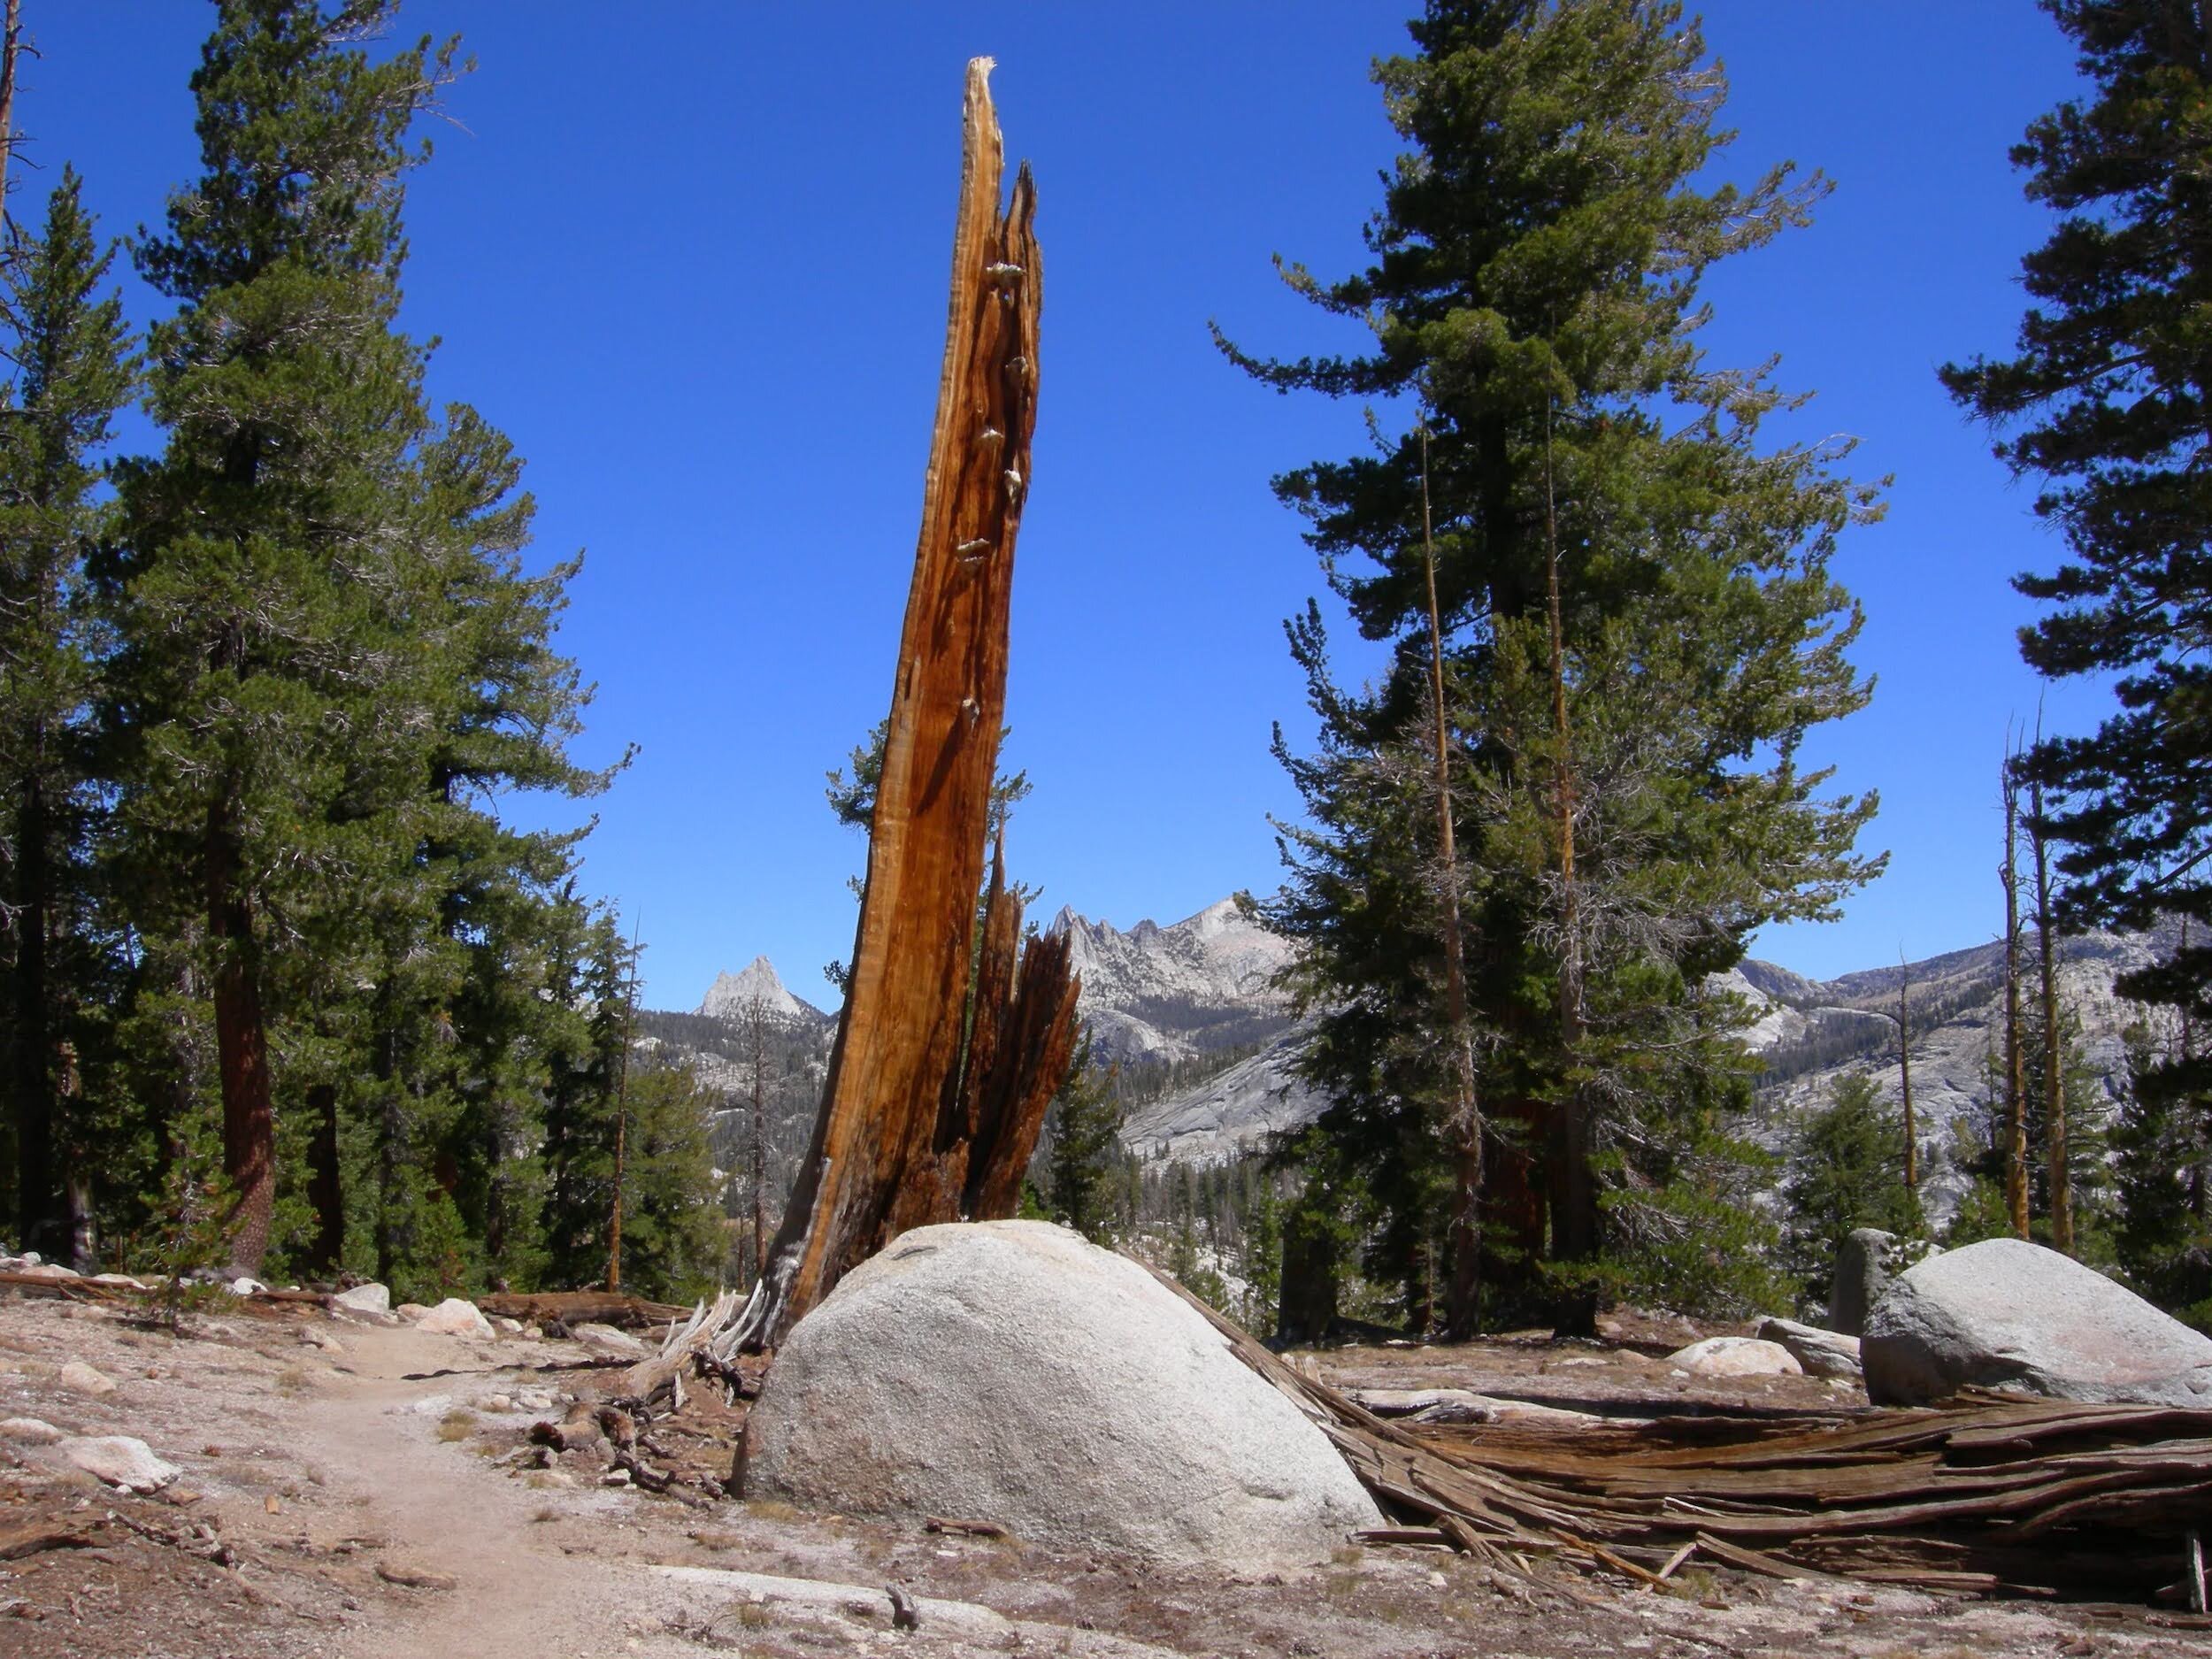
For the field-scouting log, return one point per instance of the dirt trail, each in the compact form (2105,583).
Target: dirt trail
(313,1477)
(518,1596)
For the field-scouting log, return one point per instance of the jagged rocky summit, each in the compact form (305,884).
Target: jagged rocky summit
(733,994)
(1196,987)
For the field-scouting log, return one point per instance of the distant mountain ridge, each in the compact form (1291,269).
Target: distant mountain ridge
(1203,988)
(1194,988)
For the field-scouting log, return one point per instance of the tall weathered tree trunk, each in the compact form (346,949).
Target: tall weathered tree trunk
(241,1050)
(1904,1077)
(38,1176)
(10,47)
(324,1176)
(1464,1125)
(2058,1168)
(755,1015)
(946,1054)
(1574,1188)
(2015,1078)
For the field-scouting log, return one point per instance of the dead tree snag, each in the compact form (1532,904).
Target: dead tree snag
(949,1047)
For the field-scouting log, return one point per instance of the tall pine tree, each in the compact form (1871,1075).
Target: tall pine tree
(72,373)
(1633,588)
(2105,404)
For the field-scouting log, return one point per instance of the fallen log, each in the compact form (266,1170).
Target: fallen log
(1993,1496)
(949,1048)
(581,1307)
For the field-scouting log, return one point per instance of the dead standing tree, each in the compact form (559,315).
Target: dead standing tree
(947,1052)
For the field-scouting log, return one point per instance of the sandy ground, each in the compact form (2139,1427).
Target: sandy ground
(344,1502)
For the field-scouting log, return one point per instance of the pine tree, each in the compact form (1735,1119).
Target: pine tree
(2103,404)
(2162,1170)
(1633,588)
(1086,1138)
(73,374)
(1843,1175)
(332,665)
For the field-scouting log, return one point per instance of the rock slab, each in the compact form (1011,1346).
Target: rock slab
(1822,1353)
(120,1461)
(80,1378)
(2007,1313)
(454,1317)
(1736,1356)
(368,1298)
(1011,1372)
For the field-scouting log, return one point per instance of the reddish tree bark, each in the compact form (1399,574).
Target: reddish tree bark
(242,1051)
(947,1052)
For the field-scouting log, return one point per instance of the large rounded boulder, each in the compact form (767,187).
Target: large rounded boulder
(2007,1313)
(1011,1372)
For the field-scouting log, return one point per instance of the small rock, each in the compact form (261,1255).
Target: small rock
(604,1338)
(123,1281)
(615,1478)
(81,1379)
(47,1270)
(1822,1353)
(532,1333)
(554,1478)
(309,1337)
(495,1403)
(534,1400)
(30,1430)
(410,1311)
(1862,1275)
(120,1461)
(506,1326)
(243,1287)
(1736,1356)
(456,1316)
(371,1298)
(411,1576)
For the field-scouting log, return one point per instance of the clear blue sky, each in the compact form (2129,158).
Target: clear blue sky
(691,257)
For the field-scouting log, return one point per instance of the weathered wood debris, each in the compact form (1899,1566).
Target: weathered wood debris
(951,1046)
(1994,1496)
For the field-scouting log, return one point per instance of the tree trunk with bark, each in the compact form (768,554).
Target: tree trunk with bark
(1464,1296)
(1904,1078)
(1574,1185)
(2058,1168)
(241,1050)
(2015,1078)
(950,1046)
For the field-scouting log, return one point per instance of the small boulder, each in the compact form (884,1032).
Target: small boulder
(1862,1275)
(244,1286)
(606,1339)
(2008,1314)
(370,1298)
(1822,1353)
(1736,1356)
(29,1431)
(454,1317)
(80,1378)
(120,1461)
(1012,1371)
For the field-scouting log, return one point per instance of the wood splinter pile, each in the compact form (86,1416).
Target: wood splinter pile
(1996,1496)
